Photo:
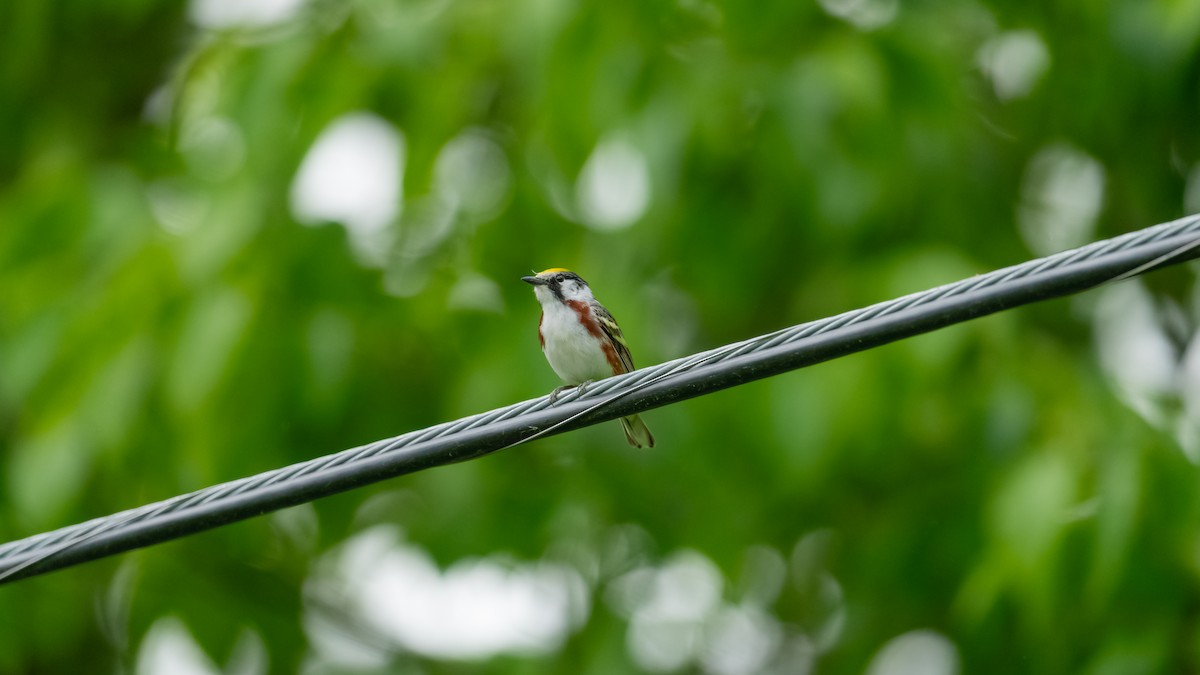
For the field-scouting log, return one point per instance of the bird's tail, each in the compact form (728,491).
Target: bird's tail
(636,432)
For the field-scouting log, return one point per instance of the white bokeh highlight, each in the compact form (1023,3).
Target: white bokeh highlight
(473,610)
(213,147)
(667,607)
(1134,349)
(1187,427)
(224,14)
(170,649)
(678,619)
(918,652)
(476,292)
(472,175)
(613,189)
(1015,62)
(1062,193)
(352,175)
(178,206)
(862,14)
(740,641)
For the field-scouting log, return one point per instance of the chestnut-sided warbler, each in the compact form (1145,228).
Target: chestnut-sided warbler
(581,339)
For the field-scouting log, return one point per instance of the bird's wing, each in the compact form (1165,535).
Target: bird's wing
(609,325)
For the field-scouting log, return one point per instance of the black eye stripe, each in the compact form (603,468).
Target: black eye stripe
(561,278)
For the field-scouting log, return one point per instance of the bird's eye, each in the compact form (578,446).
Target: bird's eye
(559,278)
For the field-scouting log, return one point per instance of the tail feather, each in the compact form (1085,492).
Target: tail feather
(636,432)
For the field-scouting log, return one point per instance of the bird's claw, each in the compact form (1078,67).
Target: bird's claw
(558,391)
(582,386)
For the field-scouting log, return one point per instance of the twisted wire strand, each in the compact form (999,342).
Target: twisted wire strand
(785,349)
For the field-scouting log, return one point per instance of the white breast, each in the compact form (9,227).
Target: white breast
(574,354)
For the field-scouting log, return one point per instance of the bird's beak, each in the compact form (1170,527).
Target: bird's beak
(534,281)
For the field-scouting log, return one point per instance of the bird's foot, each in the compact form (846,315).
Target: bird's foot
(558,391)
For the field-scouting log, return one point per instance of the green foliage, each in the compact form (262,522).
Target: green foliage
(1001,496)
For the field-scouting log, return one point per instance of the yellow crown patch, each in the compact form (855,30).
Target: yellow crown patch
(552,270)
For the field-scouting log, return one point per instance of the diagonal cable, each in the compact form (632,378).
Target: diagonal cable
(471,437)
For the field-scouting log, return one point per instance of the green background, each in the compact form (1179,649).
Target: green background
(1010,495)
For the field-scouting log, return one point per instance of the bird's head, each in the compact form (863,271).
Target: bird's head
(558,285)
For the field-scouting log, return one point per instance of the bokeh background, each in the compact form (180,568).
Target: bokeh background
(236,235)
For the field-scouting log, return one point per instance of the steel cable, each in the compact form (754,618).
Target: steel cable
(471,437)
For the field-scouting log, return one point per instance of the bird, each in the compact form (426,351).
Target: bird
(581,340)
